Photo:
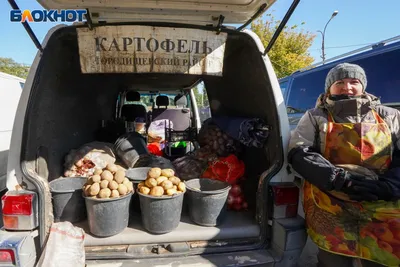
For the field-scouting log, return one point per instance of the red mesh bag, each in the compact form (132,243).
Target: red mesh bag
(228,169)
(155,149)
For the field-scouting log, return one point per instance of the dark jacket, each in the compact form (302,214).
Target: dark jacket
(307,141)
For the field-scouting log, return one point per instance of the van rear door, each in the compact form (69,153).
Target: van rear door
(199,12)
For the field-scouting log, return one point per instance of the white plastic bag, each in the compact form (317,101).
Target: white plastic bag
(157,129)
(83,161)
(65,247)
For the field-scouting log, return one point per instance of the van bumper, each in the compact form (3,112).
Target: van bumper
(23,244)
(259,258)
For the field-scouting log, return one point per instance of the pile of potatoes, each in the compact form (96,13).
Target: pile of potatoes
(108,183)
(161,182)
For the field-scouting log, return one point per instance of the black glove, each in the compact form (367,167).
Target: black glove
(360,189)
(384,189)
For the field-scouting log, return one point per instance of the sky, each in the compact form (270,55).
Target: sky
(358,23)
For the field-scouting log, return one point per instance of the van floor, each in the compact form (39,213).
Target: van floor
(235,225)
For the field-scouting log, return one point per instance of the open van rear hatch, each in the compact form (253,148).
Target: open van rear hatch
(199,12)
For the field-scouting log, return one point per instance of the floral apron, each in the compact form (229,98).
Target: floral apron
(366,230)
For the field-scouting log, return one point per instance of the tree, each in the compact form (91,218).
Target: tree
(9,66)
(201,97)
(290,51)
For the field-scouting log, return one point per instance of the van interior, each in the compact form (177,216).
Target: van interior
(72,107)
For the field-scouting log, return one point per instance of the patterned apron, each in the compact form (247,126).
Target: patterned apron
(365,230)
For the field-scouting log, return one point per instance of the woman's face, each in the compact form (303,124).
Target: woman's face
(348,86)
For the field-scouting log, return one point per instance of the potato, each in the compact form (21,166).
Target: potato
(79,163)
(86,190)
(150,182)
(175,180)
(122,189)
(171,191)
(112,167)
(167,184)
(140,185)
(113,185)
(181,187)
(107,175)
(114,193)
(175,187)
(144,190)
(94,189)
(154,173)
(126,181)
(161,179)
(105,193)
(157,191)
(104,184)
(97,171)
(119,176)
(130,186)
(167,172)
(96,178)
(120,168)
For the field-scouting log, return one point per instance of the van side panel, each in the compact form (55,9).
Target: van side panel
(10,92)
(14,172)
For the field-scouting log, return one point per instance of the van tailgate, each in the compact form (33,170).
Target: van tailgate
(200,12)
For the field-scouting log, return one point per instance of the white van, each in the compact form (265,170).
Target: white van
(153,48)
(10,91)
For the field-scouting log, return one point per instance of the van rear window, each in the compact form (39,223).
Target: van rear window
(383,75)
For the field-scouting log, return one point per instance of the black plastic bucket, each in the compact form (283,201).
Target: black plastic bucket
(108,217)
(137,174)
(129,147)
(207,200)
(68,203)
(161,215)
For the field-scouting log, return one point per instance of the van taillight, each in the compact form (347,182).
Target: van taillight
(17,205)
(19,210)
(7,257)
(286,198)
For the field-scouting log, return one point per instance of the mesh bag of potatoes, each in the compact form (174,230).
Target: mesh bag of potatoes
(214,140)
(109,182)
(161,182)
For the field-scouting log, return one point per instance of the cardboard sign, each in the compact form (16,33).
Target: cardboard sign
(147,49)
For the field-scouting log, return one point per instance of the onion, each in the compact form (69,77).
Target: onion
(238,200)
(235,190)
(237,206)
(230,199)
(245,205)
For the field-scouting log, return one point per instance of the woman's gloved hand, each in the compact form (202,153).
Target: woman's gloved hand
(360,189)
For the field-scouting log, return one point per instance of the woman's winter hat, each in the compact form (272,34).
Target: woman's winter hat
(343,71)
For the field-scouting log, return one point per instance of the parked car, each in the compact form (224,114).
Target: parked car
(380,62)
(10,91)
(74,85)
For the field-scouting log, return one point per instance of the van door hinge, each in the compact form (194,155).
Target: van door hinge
(178,247)
(171,248)
(27,27)
(89,19)
(220,22)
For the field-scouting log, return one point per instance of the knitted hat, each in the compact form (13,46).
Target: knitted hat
(343,71)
